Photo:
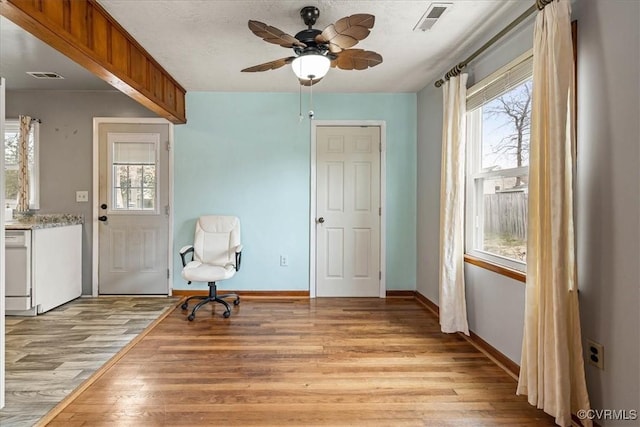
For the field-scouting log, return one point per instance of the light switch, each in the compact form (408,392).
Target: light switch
(82,196)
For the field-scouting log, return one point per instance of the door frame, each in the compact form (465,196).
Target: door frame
(97,121)
(315,124)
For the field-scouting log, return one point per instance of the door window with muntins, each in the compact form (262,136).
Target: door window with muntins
(133,173)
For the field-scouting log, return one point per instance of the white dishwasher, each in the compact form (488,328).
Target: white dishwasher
(18,270)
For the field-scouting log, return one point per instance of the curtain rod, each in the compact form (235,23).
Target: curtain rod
(457,69)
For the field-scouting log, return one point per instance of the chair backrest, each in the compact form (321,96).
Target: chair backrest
(216,238)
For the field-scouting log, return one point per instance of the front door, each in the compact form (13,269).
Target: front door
(133,209)
(348,211)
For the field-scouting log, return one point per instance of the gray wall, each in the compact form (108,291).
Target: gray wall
(607,204)
(608,193)
(66,148)
(428,191)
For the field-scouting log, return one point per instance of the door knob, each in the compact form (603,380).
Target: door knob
(102,218)
(321,220)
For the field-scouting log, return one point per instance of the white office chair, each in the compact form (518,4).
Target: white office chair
(215,255)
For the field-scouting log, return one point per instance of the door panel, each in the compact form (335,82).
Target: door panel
(335,187)
(335,252)
(362,244)
(348,200)
(363,189)
(134,198)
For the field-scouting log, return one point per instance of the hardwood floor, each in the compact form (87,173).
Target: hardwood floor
(323,362)
(49,355)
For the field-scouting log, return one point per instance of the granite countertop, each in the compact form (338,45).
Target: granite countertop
(35,221)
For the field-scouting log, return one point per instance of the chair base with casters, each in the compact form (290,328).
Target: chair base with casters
(212,297)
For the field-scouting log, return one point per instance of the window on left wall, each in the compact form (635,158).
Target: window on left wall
(11,137)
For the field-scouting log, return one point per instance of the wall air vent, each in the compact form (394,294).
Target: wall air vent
(44,75)
(433,13)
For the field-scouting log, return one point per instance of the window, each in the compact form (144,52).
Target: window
(11,136)
(133,160)
(498,134)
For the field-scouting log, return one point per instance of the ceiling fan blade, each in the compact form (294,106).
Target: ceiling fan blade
(346,32)
(304,82)
(361,19)
(272,65)
(356,59)
(274,35)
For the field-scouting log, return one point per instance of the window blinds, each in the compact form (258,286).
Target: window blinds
(510,76)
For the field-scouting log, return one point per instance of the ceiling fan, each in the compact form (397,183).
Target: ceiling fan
(316,51)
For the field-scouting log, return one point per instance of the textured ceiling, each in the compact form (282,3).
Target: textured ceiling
(204,44)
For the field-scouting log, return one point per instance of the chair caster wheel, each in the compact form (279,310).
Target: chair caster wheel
(226,314)
(237,302)
(191,317)
(184,306)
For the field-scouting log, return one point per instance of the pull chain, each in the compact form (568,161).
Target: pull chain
(300,118)
(311,113)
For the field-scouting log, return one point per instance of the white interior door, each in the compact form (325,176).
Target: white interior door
(348,211)
(133,209)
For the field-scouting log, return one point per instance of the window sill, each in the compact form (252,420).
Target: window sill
(504,271)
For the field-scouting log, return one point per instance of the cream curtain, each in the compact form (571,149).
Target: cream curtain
(552,368)
(23,164)
(453,307)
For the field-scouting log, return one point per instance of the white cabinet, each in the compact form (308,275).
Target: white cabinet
(50,262)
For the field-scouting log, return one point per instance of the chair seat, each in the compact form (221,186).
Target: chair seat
(196,271)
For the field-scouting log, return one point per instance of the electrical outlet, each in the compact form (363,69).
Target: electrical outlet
(595,354)
(82,196)
(284,261)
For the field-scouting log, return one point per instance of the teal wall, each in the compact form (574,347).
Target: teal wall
(248,154)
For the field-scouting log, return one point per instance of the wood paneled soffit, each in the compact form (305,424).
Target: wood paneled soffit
(86,33)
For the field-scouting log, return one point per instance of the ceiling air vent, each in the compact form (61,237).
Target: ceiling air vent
(433,13)
(45,75)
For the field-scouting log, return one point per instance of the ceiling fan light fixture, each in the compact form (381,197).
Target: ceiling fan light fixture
(316,51)
(311,66)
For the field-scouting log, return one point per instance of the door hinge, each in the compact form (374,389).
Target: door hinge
(166,210)
(381,147)
(168,274)
(380,211)
(168,146)
(379,275)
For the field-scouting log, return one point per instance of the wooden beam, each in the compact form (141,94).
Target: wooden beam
(87,34)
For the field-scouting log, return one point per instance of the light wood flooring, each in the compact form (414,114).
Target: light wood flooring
(323,362)
(49,355)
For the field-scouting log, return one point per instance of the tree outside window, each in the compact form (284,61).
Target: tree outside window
(506,134)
